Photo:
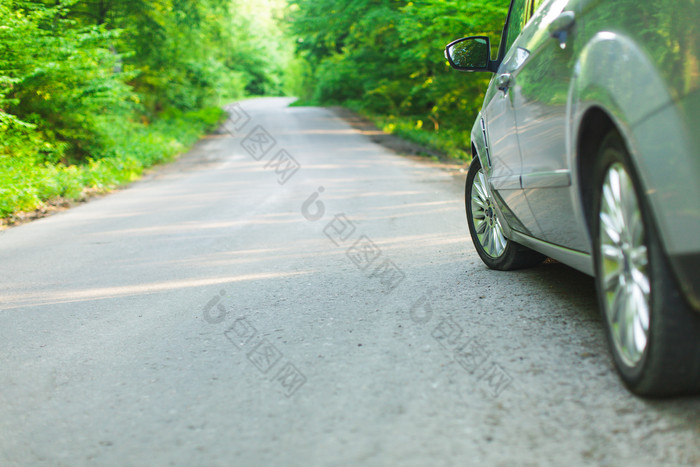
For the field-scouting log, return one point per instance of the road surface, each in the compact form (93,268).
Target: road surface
(290,293)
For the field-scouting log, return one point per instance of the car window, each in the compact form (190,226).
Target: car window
(521,12)
(535,5)
(518,18)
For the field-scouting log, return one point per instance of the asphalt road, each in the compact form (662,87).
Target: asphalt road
(293,294)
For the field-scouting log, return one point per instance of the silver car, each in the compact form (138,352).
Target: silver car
(587,150)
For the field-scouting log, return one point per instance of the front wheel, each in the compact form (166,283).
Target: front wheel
(493,247)
(653,334)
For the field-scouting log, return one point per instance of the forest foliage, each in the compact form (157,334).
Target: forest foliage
(385,58)
(92,92)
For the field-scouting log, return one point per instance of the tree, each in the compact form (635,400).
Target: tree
(385,56)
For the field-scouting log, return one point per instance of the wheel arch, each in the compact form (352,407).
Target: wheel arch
(617,86)
(604,99)
(594,125)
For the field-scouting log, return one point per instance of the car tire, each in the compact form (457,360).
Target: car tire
(652,332)
(493,247)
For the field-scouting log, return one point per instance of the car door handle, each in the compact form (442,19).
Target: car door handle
(503,82)
(561,26)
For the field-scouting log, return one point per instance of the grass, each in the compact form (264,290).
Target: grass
(453,143)
(303,103)
(26,184)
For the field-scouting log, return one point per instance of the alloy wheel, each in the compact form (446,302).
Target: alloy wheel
(624,271)
(488,228)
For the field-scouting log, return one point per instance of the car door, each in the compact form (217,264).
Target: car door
(540,90)
(500,130)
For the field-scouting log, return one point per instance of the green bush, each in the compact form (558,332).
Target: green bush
(26,184)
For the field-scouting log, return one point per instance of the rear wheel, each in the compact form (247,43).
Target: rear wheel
(653,334)
(494,249)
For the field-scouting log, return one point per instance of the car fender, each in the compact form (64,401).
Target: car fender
(479,144)
(480,150)
(616,76)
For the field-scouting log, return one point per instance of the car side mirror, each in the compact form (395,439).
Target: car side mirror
(470,54)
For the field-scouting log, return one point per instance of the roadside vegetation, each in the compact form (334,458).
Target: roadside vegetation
(384,59)
(93,92)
